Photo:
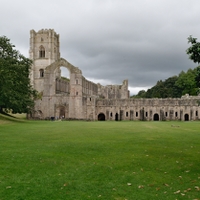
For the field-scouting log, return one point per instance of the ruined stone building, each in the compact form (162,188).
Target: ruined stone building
(79,98)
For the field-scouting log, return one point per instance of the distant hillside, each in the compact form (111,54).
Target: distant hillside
(175,86)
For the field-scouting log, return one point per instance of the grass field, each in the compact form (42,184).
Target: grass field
(43,160)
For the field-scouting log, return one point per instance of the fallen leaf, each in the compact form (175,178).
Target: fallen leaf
(140,186)
(197,188)
(177,192)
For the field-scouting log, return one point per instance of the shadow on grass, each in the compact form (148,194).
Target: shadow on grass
(6,118)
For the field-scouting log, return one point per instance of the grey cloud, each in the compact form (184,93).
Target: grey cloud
(111,40)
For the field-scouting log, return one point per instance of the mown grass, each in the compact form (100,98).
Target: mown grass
(99,160)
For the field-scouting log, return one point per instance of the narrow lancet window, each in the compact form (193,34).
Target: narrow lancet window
(42,52)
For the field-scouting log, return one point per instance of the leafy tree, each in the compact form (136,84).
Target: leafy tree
(141,94)
(187,83)
(16,93)
(197,77)
(172,90)
(194,50)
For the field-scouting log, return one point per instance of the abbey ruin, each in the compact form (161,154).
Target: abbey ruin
(81,99)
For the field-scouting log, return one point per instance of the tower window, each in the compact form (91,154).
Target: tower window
(42,52)
(41,72)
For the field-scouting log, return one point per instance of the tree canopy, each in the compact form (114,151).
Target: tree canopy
(194,50)
(16,92)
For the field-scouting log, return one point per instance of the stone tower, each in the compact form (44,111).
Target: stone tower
(44,50)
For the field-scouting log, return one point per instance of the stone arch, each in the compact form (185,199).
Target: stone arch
(52,72)
(116,117)
(156,117)
(186,117)
(101,117)
(38,114)
(63,63)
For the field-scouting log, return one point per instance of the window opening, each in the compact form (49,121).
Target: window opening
(41,72)
(42,52)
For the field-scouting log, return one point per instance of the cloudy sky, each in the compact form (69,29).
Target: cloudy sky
(111,40)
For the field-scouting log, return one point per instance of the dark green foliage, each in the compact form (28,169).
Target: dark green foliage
(194,50)
(187,83)
(16,93)
(163,89)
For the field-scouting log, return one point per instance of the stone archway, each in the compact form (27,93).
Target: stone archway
(101,117)
(156,117)
(116,117)
(186,117)
(62,113)
(52,73)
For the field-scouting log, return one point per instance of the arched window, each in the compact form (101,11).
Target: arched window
(41,72)
(42,52)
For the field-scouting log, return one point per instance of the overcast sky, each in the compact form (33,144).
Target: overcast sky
(111,40)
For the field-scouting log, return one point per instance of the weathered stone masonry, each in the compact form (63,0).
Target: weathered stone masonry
(79,98)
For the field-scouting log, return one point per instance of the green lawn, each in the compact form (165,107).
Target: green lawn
(99,160)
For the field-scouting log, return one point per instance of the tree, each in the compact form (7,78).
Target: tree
(194,50)
(186,82)
(16,92)
(141,94)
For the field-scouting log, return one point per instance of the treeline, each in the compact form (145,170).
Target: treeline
(175,86)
